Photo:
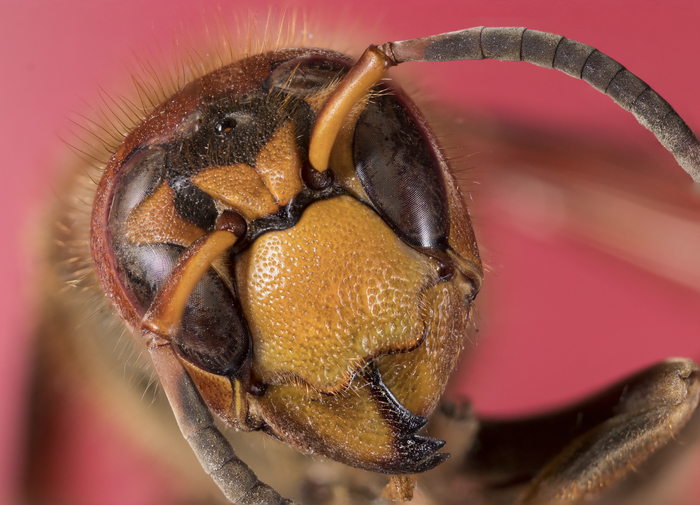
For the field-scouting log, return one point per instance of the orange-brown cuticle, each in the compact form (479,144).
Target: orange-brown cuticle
(232,222)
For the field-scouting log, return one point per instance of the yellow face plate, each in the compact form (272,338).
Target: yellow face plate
(331,293)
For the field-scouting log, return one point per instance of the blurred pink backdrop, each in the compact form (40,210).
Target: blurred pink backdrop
(546,344)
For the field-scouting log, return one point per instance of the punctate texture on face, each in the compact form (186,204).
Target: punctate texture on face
(328,295)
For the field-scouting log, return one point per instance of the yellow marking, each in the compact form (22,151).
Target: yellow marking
(156,221)
(240,187)
(279,165)
(418,378)
(215,389)
(225,397)
(240,407)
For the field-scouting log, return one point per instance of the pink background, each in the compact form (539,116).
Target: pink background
(547,345)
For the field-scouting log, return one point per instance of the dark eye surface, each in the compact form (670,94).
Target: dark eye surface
(214,334)
(139,177)
(400,173)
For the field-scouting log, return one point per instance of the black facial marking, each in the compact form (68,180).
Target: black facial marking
(417,453)
(304,119)
(287,216)
(231,130)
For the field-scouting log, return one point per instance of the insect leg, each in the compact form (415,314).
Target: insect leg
(582,450)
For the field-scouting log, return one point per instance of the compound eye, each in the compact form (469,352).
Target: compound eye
(214,335)
(139,176)
(141,268)
(400,173)
(153,218)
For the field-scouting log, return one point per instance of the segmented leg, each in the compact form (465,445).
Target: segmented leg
(578,452)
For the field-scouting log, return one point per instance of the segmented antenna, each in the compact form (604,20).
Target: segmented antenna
(551,51)
(573,58)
